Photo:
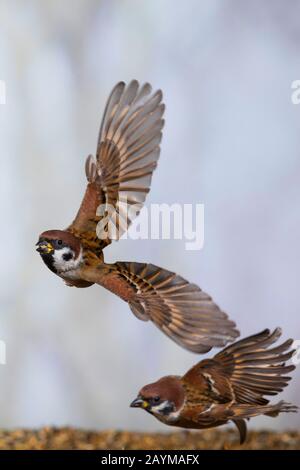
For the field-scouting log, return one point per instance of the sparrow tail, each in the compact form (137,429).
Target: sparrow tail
(250,411)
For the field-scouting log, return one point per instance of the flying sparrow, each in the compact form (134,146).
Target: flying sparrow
(118,181)
(229,387)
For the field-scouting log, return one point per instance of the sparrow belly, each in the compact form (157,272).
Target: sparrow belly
(72,279)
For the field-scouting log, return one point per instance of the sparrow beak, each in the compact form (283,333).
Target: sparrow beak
(44,247)
(139,403)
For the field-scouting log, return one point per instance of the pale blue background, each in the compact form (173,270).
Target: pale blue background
(232,141)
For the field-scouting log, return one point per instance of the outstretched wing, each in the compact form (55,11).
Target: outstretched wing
(181,310)
(246,371)
(127,153)
(254,369)
(237,379)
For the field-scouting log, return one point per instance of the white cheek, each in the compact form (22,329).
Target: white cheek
(173,416)
(61,265)
(159,408)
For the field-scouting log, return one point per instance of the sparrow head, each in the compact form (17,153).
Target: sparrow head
(163,399)
(60,250)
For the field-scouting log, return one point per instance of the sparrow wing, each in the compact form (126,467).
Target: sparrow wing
(127,153)
(246,371)
(236,380)
(181,310)
(255,369)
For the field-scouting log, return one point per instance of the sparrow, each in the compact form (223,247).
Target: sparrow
(119,179)
(229,387)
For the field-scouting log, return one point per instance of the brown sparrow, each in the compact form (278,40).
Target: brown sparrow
(229,387)
(118,181)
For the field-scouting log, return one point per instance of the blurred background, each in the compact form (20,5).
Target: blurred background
(231,141)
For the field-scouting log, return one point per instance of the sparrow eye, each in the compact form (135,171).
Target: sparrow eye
(156,399)
(59,242)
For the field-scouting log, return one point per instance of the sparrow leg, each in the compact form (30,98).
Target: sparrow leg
(242,428)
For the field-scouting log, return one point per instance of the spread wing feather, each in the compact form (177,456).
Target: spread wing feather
(234,383)
(247,370)
(255,369)
(181,310)
(127,152)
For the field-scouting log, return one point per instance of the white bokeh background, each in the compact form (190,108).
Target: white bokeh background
(232,141)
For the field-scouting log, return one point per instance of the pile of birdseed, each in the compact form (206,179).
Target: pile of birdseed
(68,438)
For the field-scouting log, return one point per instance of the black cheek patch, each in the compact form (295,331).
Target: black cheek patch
(168,409)
(67,256)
